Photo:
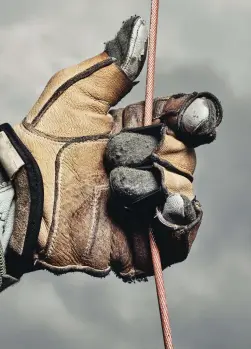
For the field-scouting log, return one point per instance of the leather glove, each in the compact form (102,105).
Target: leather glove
(89,180)
(151,173)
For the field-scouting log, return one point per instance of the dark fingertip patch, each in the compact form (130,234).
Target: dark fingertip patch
(131,184)
(189,209)
(129,149)
(206,132)
(119,46)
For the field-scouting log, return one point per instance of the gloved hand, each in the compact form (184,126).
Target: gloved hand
(87,187)
(151,173)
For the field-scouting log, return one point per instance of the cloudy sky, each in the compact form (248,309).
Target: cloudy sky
(201,46)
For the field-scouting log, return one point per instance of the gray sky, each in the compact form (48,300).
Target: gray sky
(201,46)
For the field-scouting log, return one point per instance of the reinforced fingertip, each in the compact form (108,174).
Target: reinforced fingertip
(130,46)
(129,149)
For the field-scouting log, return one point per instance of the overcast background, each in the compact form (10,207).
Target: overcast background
(201,46)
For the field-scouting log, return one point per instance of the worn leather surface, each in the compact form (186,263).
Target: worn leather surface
(177,163)
(67,132)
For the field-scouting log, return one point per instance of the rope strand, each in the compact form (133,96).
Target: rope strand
(161,293)
(150,80)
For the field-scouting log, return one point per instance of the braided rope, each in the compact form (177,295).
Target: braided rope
(161,293)
(150,79)
(159,280)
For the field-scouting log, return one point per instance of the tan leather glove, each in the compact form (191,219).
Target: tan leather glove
(151,173)
(66,218)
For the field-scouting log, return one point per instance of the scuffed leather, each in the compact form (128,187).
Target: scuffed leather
(67,133)
(176,162)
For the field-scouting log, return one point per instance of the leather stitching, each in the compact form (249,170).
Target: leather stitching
(53,231)
(95,213)
(68,84)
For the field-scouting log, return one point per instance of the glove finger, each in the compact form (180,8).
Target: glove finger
(129,47)
(173,238)
(132,186)
(81,96)
(193,118)
(134,148)
(178,209)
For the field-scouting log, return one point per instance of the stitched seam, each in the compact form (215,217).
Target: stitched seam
(53,232)
(96,206)
(34,133)
(73,268)
(61,89)
(94,213)
(63,140)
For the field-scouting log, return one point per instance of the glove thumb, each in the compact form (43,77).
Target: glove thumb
(77,99)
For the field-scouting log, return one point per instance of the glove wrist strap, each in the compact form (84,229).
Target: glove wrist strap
(24,174)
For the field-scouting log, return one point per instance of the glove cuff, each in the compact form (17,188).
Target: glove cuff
(25,176)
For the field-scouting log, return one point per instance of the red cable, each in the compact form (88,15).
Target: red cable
(159,280)
(161,293)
